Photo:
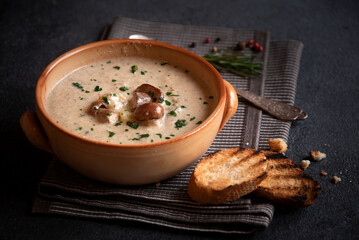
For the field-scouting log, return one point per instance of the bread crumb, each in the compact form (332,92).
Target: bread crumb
(158,184)
(317,155)
(336,179)
(323,173)
(305,164)
(277,145)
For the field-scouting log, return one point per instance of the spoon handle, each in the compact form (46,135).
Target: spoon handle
(277,109)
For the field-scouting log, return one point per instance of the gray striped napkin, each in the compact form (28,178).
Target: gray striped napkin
(63,191)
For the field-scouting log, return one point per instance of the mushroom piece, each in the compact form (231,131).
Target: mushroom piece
(155,93)
(95,106)
(138,99)
(149,111)
(107,116)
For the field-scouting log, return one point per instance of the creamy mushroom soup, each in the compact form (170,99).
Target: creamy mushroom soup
(130,101)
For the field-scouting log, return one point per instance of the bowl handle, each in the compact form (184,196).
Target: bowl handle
(34,133)
(231,103)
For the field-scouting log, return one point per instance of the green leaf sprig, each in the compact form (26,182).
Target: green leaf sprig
(235,62)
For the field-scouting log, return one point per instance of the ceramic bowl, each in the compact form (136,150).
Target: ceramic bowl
(127,164)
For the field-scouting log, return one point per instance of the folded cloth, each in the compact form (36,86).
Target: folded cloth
(62,191)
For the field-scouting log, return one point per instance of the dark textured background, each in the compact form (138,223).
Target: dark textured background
(32,33)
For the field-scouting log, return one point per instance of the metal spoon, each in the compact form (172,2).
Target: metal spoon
(279,110)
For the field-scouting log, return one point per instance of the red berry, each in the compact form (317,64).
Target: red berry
(256,45)
(250,42)
(207,40)
(260,48)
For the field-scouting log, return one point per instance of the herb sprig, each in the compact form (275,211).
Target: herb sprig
(235,62)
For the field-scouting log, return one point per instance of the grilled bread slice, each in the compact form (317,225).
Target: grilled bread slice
(227,175)
(286,183)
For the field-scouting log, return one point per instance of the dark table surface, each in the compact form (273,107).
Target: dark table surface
(32,33)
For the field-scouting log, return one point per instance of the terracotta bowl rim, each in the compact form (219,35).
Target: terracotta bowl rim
(40,106)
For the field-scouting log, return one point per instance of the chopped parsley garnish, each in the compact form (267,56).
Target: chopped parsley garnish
(167,138)
(78,85)
(81,98)
(171,94)
(91,129)
(211,97)
(144,135)
(93,80)
(192,118)
(164,63)
(143,72)
(205,102)
(118,124)
(80,128)
(141,136)
(172,135)
(134,68)
(180,123)
(105,99)
(97,89)
(168,103)
(114,80)
(173,113)
(87,132)
(117,67)
(199,122)
(132,125)
(123,89)
(108,62)
(87,91)
(159,134)
(111,134)
(108,114)
(183,106)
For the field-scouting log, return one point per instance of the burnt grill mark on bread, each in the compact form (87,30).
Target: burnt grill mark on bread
(284,166)
(275,156)
(247,158)
(263,175)
(257,164)
(238,151)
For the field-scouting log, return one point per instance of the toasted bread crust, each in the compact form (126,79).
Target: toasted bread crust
(227,175)
(286,183)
